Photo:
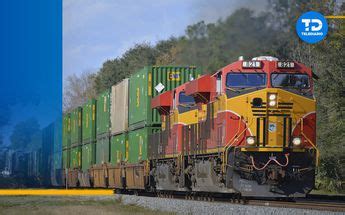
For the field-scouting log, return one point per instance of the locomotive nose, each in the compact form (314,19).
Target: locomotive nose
(272,118)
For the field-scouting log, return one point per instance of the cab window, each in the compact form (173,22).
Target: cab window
(297,81)
(294,82)
(184,99)
(186,103)
(245,80)
(241,83)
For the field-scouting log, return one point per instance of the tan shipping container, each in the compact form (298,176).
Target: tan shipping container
(119,107)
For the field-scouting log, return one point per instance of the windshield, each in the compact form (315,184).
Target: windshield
(184,99)
(299,81)
(244,80)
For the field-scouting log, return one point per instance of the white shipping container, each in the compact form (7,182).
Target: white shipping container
(119,107)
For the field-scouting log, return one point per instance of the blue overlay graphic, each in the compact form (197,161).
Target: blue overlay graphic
(30,86)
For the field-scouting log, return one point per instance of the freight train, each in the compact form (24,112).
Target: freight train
(247,129)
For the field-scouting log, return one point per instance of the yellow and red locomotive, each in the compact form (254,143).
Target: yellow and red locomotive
(249,128)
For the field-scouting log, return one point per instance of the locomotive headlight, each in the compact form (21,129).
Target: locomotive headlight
(272,103)
(272,99)
(250,140)
(296,141)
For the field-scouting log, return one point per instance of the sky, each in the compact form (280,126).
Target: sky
(97,30)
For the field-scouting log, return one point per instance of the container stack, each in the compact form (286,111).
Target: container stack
(119,128)
(99,170)
(108,141)
(75,149)
(143,120)
(102,128)
(88,150)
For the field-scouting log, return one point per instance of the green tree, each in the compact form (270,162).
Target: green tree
(115,70)
(327,60)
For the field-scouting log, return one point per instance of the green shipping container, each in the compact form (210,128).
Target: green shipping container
(138,141)
(66,131)
(89,122)
(76,121)
(102,150)
(75,158)
(66,158)
(88,156)
(103,113)
(149,82)
(118,145)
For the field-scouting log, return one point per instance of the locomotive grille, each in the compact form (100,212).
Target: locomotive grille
(284,110)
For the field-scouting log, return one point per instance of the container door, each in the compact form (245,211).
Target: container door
(118,148)
(87,156)
(138,99)
(102,151)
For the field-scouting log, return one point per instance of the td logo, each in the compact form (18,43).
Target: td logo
(311,27)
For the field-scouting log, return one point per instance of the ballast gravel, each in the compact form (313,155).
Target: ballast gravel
(180,206)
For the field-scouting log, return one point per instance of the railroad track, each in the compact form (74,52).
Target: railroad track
(311,202)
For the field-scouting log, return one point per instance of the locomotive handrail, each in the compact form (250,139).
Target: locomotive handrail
(225,148)
(269,161)
(163,110)
(203,97)
(311,143)
(228,145)
(187,105)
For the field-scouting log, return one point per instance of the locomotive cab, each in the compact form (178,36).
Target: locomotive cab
(270,141)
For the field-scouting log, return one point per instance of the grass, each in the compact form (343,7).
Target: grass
(65,205)
(327,192)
